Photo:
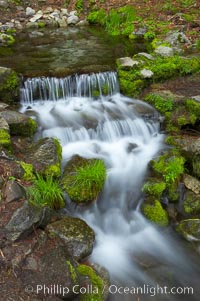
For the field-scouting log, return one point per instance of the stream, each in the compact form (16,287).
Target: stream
(125,134)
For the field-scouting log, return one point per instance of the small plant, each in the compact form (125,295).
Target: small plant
(79,5)
(160,103)
(46,193)
(84,184)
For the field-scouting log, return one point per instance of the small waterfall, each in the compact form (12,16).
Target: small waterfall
(112,128)
(84,85)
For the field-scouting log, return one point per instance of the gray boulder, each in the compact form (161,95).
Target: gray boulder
(146,73)
(164,51)
(127,63)
(72,20)
(30,12)
(13,191)
(19,124)
(45,155)
(76,235)
(190,229)
(9,85)
(4,4)
(177,38)
(25,219)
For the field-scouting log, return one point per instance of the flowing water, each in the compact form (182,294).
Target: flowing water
(92,119)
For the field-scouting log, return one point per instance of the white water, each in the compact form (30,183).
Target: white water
(111,128)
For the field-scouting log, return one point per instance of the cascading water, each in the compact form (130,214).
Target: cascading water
(93,120)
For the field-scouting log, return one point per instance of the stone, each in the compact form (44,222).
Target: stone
(72,20)
(4,4)
(25,219)
(45,156)
(64,12)
(19,124)
(140,31)
(31,25)
(191,203)
(145,73)
(62,23)
(48,10)
(75,233)
(197,98)
(127,63)
(13,191)
(55,15)
(50,267)
(190,229)
(83,23)
(192,183)
(73,12)
(36,17)
(177,38)
(4,134)
(9,85)
(30,12)
(146,55)
(164,51)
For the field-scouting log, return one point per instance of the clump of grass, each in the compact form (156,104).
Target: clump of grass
(85,183)
(46,192)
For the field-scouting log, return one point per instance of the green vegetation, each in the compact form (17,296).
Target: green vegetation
(116,22)
(160,103)
(79,5)
(46,192)
(155,213)
(96,282)
(28,171)
(5,139)
(154,188)
(85,181)
(72,271)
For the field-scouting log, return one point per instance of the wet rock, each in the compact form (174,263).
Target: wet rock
(83,23)
(88,189)
(145,73)
(62,23)
(9,85)
(25,219)
(192,183)
(30,12)
(19,124)
(10,167)
(51,263)
(191,203)
(126,63)
(45,156)
(76,235)
(190,229)
(13,191)
(31,25)
(164,51)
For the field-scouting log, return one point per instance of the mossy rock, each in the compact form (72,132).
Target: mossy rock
(9,85)
(45,155)
(19,124)
(75,234)
(155,213)
(5,139)
(96,282)
(83,179)
(191,203)
(190,229)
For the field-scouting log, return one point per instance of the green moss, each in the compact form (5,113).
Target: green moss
(28,171)
(160,103)
(96,281)
(85,181)
(155,213)
(192,203)
(41,24)
(154,188)
(53,170)
(97,17)
(26,128)
(58,149)
(5,139)
(72,271)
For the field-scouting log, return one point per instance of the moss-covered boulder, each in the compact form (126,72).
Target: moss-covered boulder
(45,155)
(19,124)
(190,229)
(154,212)
(191,203)
(4,134)
(83,179)
(76,235)
(9,85)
